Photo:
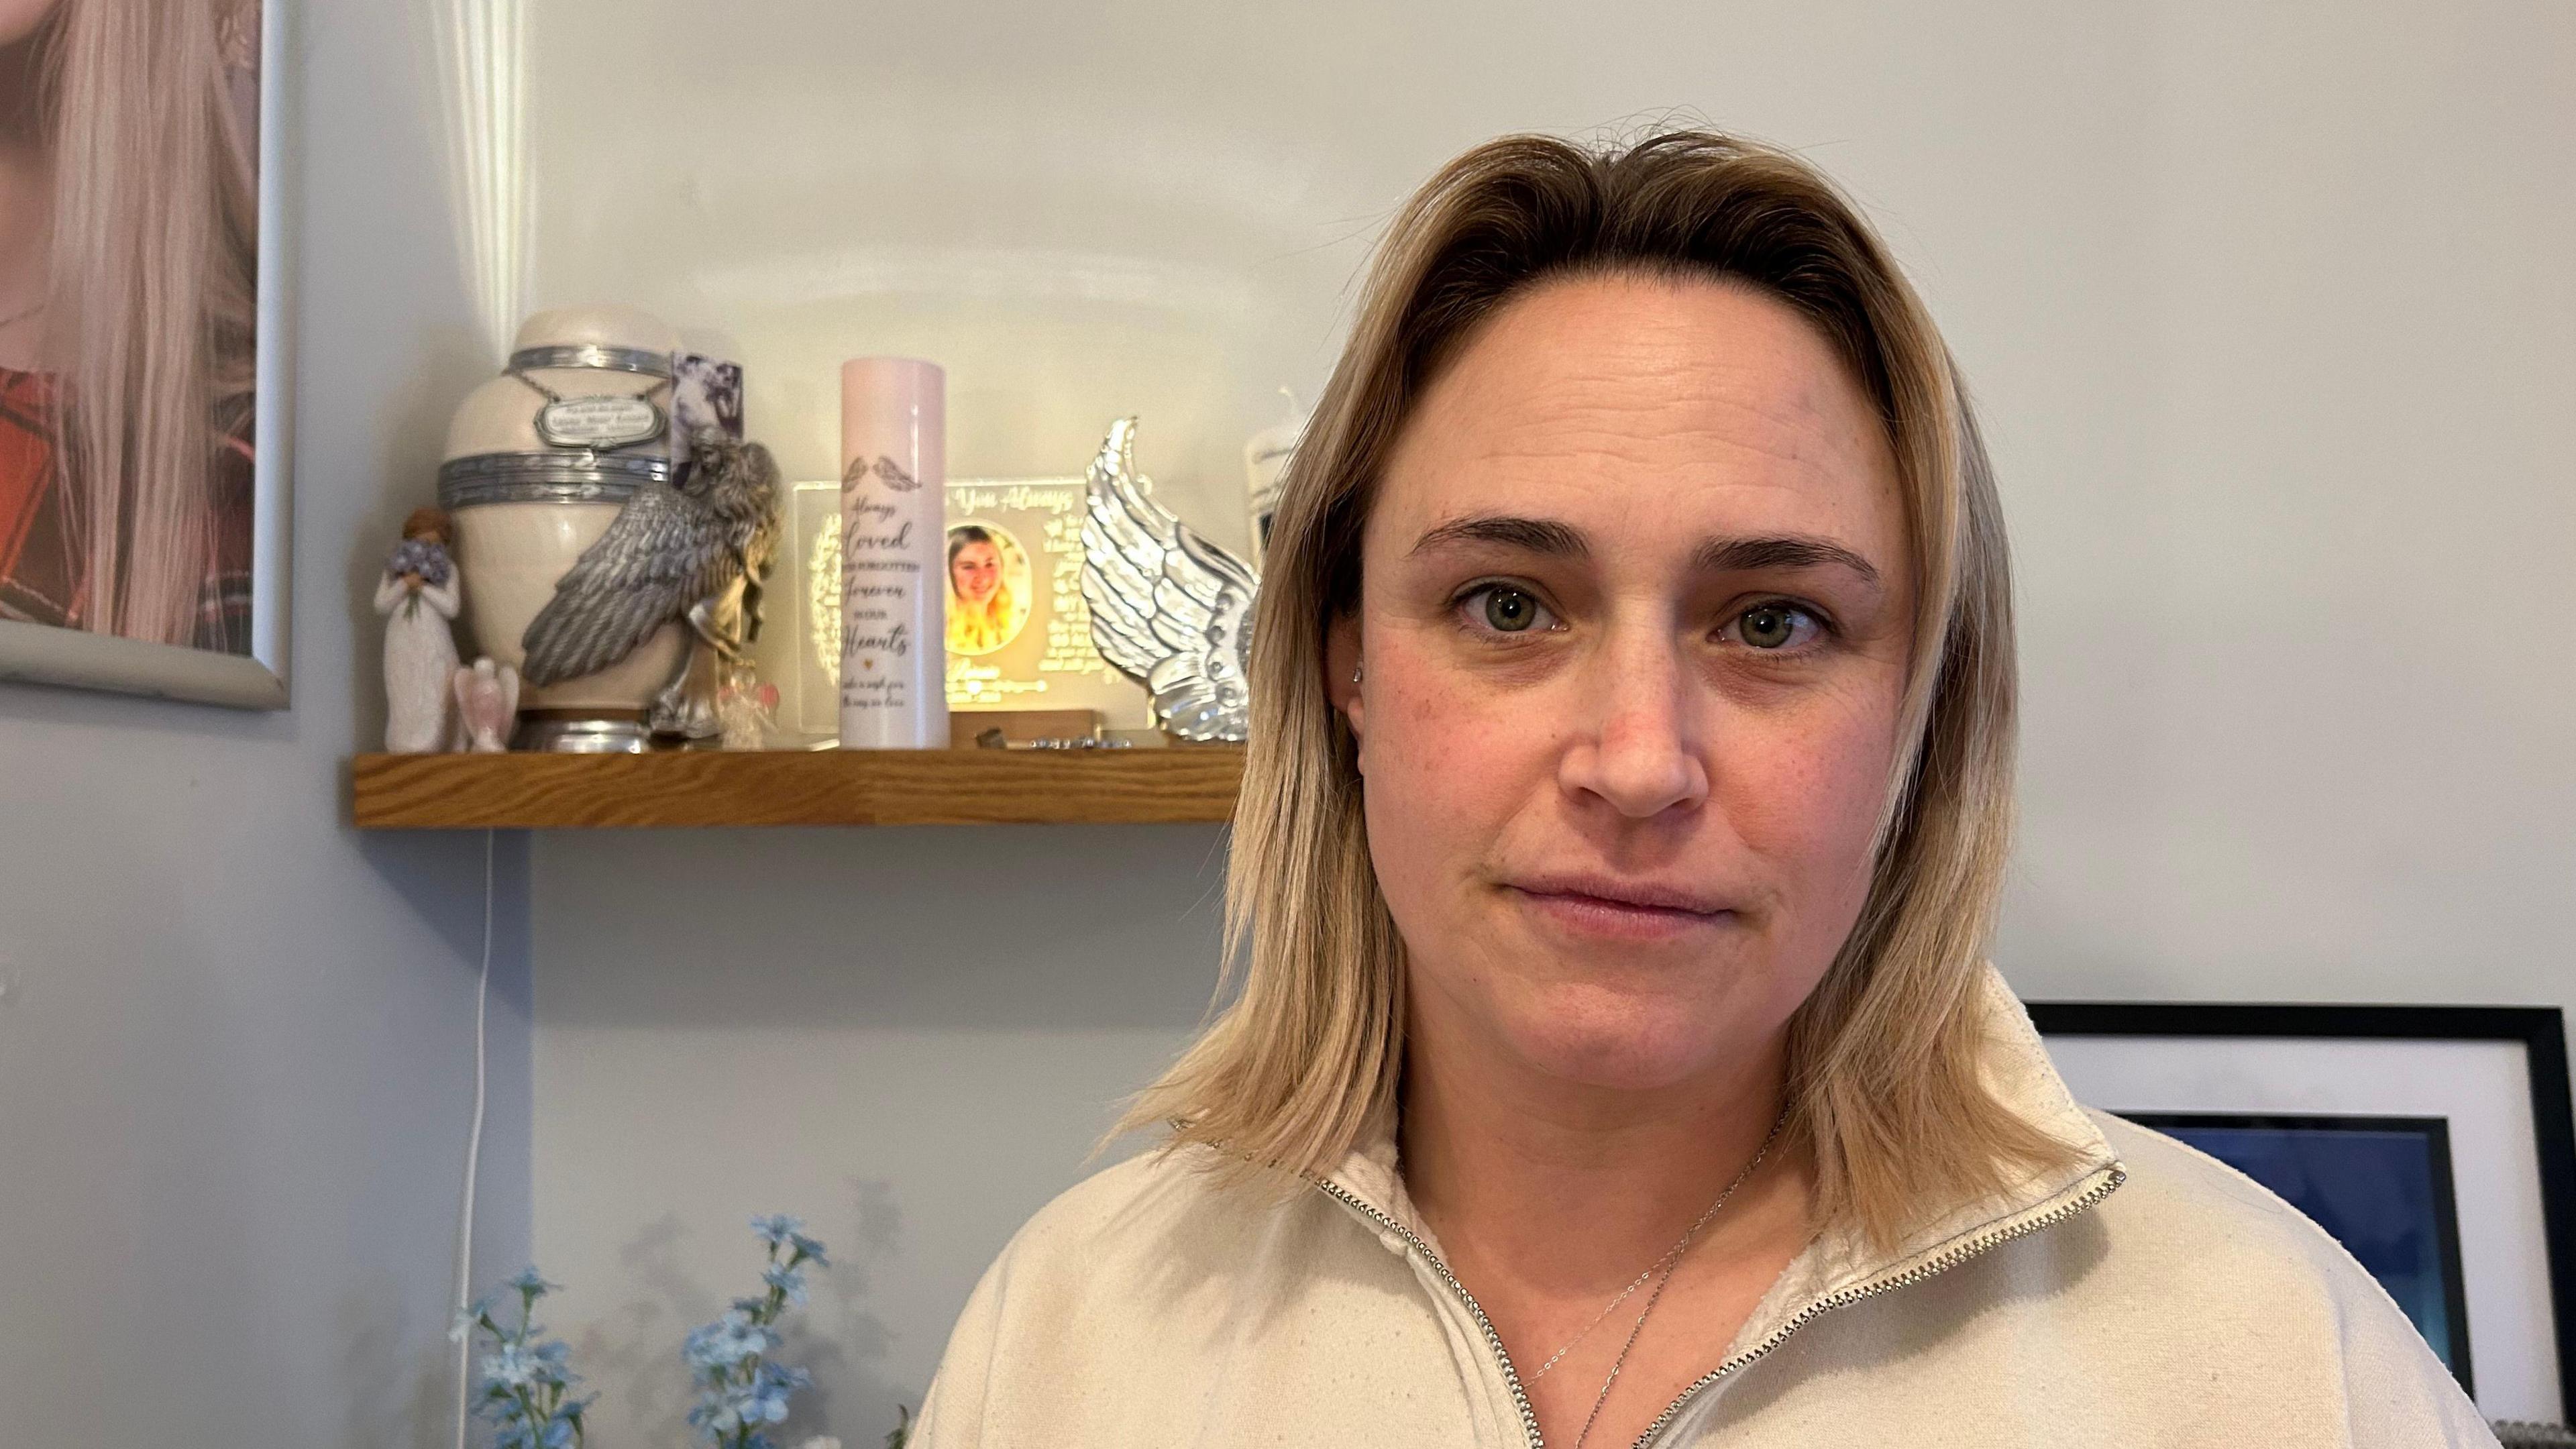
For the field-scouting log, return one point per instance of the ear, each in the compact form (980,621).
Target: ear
(1341,662)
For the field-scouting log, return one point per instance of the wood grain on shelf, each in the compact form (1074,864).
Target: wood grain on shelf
(818,787)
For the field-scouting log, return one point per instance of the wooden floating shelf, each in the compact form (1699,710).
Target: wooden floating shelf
(1183,784)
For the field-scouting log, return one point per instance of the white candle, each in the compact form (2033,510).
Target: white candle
(894,476)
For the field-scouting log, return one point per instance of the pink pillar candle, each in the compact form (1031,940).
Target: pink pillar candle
(894,577)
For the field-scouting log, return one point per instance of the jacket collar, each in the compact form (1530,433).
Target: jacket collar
(1841,1263)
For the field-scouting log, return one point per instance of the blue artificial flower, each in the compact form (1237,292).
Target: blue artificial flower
(773,1385)
(770,1388)
(789,1281)
(469,1320)
(514,1367)
(531,1286)
(777,1228)
(717,1414)
(739,1391)
(731,1409)
(728,1341)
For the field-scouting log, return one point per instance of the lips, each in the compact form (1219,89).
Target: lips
(1615,890)
(1597,905)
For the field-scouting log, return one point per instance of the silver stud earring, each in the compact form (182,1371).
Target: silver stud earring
(1355,670)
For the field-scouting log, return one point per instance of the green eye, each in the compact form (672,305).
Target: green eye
(1510,610)
(1767,626)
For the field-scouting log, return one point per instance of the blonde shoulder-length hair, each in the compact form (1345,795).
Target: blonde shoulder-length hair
(1884,1058)
(153,293)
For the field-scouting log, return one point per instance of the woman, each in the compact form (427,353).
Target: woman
(983,614)
(128,246)
(1615,1061)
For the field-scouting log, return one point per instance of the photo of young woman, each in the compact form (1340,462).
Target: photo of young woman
(988,588)
(128,300)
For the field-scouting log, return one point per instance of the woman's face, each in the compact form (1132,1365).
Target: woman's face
(1636,612)
(975,572)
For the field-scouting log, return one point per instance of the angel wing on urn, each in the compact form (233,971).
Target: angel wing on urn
(1168,608)
(673,552)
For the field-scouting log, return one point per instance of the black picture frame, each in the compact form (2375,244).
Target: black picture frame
(2539,1030)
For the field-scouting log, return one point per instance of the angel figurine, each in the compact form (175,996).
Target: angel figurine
(418,597)
(674,551)
(1169,609)
(487,704)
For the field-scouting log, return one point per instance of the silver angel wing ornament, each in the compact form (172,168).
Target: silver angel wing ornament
(1169,609)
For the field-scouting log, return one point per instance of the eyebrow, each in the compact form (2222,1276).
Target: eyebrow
(1532,535)
(1717,555)
(1794,551)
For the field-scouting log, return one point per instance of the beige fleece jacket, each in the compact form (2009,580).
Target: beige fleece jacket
(2149,1296)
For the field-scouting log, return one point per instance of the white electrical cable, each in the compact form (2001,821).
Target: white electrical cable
(473,1156)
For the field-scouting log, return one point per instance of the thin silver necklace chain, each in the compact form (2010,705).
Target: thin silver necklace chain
(1675,1251)
(1671,1260)
(1634,1284)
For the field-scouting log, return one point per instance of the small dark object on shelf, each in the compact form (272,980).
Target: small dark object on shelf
(1020,726)
(996,739)
(2517,1435)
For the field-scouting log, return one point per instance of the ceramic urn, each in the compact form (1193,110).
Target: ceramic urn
(539,461)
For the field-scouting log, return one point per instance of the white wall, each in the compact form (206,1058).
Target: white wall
(233,1070)
(905,1036)
(2268,308)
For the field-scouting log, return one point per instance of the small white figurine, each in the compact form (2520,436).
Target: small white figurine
(419,596)
(487,705)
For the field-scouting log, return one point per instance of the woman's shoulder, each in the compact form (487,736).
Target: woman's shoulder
(2189,1306)
(2227,1265)
(1166,1201)
(1146,1193)
(2181,1207)
(1129,1281)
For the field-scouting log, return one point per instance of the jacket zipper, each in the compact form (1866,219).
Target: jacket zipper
(1916,1274)
(1804,1316)
(1493,1340)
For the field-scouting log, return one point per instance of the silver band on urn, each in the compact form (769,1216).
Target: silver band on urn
(546,478)
(612,359)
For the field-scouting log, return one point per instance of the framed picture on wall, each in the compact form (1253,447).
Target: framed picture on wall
(2436,1143)
(143,491)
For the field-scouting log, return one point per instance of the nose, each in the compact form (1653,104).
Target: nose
(1636,748)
